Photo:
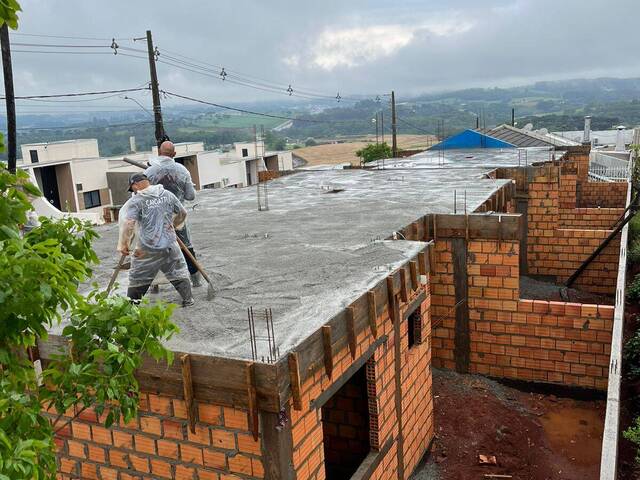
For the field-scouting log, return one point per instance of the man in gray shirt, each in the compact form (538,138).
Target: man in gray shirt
(175,178)
(153,215)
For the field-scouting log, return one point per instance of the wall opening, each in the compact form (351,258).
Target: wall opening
(345,428)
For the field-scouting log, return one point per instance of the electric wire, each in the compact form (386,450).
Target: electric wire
(79,94)
(69,37)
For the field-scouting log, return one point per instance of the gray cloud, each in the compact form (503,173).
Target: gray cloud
(353,47)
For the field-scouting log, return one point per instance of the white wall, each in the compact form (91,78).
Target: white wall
(285,160)
(92,174)
(60,151)
(214,167)
(184,148)
(253,149)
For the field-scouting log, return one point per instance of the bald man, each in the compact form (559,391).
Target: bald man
(177,179)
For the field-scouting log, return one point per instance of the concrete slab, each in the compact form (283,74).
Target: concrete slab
(308,257)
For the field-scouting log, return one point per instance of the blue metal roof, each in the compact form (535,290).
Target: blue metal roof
(471,139)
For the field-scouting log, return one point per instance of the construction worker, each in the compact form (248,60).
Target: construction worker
(174,177)
(153,215)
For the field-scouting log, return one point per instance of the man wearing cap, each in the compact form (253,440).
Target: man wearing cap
(174,177)
(153,215)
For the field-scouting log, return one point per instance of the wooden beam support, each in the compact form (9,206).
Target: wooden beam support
(404,296)
(294,377)
(252,412)
(328,353)
(462,339)
(435,228)
(187,383)
(351,330)
(432,258)
(391,299)
(373,313)
(422,266)
(414,228)
(413,268)
(427,227)
(277,445)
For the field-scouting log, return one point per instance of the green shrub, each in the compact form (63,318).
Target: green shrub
(633,254)
(633,435)
(633,289)
(631,356)
(634,229)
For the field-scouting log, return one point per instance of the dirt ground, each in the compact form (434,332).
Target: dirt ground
(333,154)
(532,436)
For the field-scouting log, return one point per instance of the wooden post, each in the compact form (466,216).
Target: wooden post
(373,314)
(427,228)
(351,331)
(294,375)
(7,69)
(432,258)
(252,401)
(328,353)
(462,340)
(422,267)
(413,269)
(187,385)
(155,92)
(391,299)
(403,285)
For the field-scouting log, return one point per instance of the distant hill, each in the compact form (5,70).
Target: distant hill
(556,105)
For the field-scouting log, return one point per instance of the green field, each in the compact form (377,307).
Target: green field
(212,121)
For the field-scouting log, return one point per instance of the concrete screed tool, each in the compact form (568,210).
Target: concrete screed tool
(210,290)
(119,267)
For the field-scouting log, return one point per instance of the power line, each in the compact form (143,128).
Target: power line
(241,110)
(70,37)
(87,127)
(49,45)
(69,53)
(413,126)
(80,94)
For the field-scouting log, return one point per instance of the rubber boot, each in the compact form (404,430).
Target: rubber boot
(195,280)
(184,289)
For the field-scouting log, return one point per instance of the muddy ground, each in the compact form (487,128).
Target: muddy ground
(533,436)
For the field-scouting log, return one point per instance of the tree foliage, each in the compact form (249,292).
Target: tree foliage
(375,151)
(40,274)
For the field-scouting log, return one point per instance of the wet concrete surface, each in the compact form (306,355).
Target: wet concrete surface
(310,255)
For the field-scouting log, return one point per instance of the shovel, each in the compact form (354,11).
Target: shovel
(115,273)
(210,290)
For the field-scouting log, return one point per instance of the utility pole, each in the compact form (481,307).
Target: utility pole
(155,93)
(9,98)
(382,124)
(513,117)
(394,141)
(375,120)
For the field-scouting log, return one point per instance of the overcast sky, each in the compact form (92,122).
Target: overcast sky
(329,46)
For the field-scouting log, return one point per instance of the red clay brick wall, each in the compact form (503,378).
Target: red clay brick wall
(590,218)
(159,445)
(601,194)
(552,342)
(557,251)
(417,406)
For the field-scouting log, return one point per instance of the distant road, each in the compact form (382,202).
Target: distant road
(283,126)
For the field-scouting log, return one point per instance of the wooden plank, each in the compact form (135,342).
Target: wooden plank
(185,361)
(414,229)
(373,313)
(277,445)
(397,361)
(252,411)
(294,375)
(413,269)
(462,339)
(404,296)
(432,258)
(479,226)
(371,462)
(214,379)
(346,376)
(391,299)
(522,207)
(422,266)
(427,227)
(351,331)
(435,228)
(328,353)
(415,303)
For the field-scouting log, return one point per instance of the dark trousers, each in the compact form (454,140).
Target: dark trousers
(184,236)
(182,286)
